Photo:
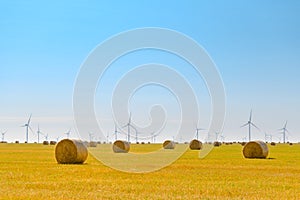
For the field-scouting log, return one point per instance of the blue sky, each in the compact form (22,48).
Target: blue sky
(255,45)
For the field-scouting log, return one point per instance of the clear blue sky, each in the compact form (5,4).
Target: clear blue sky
(255,44)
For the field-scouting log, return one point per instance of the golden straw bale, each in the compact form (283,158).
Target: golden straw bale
(195,145)
(168,144)
(120,146)
(70,152)
(255,149)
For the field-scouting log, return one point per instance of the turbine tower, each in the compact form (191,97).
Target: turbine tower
(217,135)
(222,138)
(107,137)
(249,124)
(153,137)
(91,136)
(68,133)
(116,132)
(3,134)
(27,125)
(38,133)
(284,131)
(128,125)
(197,132)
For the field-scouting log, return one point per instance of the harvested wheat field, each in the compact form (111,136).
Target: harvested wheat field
(30,171)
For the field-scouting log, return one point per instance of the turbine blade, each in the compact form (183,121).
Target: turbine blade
(245,125)
(285,124)
(31,130)
(29,119)
(255,126)
(250,118)
(129,122)
(133,127)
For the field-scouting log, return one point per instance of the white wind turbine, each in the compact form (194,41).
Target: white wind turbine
(153,137)
(268,137)
(38,133)
(27,125)
(217,135)
(46,137)
(91,135)
(128,125)
(284,131)
(116,132)
(68,133)
(249,124)
(197,132)
(222,138)
(3,134)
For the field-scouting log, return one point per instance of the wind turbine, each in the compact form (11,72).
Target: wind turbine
(38,133)
(91,136)
(68,133)
(244,139)
(128,125)
(116,132)
(153,137)
(222,138)
(217,134)
(197,132)
(284,130)
(249,124)
(268,137)
(107,137)
(3,134)
(27,125)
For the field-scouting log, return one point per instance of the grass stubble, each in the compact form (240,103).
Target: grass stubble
(30,171)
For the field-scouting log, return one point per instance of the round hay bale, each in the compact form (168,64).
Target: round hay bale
(168,144)
(45,143)
(17,142)
(273,143)
(70,152)
(93,144)
(243,143)
(52,142)
(217,144)
(255,149)
(291,144)
(195,145)
(120,146)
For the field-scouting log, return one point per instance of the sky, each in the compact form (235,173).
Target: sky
(254,44)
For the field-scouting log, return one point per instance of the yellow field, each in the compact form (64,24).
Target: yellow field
(30,171)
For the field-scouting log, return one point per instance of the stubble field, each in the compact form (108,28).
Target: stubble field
(30,171)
